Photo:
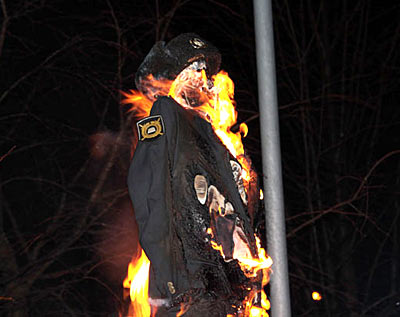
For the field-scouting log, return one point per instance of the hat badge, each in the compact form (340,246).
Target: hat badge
(197,43)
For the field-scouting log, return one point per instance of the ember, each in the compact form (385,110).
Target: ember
(316,296)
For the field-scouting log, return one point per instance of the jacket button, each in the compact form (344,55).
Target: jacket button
(171,287)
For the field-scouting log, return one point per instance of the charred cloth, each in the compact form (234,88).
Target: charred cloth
(193,199)
(173,218)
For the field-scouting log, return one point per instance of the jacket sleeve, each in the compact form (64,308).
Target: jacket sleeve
(149,184)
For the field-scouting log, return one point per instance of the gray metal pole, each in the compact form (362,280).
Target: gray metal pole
(271,158)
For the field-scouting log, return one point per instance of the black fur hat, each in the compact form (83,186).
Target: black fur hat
(167,61)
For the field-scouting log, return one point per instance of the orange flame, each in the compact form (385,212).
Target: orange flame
(258,312)
(184,308)
(137,281)
(250,265)
(140,103)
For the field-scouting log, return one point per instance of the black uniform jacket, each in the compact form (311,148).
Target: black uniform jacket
(176,144)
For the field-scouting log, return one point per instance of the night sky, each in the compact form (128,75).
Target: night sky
(67,229)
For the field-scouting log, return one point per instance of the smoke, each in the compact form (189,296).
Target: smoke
(117,240)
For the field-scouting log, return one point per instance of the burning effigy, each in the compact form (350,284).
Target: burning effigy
(193,190)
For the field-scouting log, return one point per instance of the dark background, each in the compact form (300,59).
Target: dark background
(66,225)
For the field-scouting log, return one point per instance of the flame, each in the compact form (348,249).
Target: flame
(184,308)
(141,103)
(250,265)
(137,281)
(256,307)
(258,312)
(265,303)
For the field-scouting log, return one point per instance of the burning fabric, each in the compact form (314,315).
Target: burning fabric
(193,190)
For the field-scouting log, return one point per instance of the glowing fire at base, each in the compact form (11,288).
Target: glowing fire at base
(137,281)
(217,107)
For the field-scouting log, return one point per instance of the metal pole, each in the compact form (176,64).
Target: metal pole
(271,159)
